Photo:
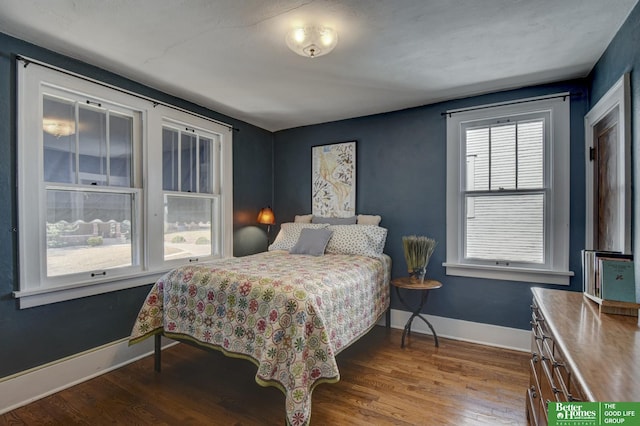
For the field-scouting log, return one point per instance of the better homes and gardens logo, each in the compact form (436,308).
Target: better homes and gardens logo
(572,413)
(594,413)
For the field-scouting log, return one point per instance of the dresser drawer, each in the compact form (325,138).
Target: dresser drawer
(535,355)
(543,417)
(563,378)
(533,393)
(533,407)
(584,354)
(549,391)
(550,378)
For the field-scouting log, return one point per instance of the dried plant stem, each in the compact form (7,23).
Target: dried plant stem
(417,251)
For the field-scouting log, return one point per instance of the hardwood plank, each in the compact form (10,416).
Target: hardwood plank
(458,383)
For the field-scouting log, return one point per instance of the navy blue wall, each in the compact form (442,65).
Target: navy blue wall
(623,55)
(400,174)
(35,336)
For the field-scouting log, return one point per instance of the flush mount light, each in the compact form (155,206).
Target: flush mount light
(312,41)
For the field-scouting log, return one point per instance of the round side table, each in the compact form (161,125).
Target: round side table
(424,287)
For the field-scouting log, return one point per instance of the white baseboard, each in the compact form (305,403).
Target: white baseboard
(474,332)
(27,386)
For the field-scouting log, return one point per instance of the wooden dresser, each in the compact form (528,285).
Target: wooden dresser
(578,354)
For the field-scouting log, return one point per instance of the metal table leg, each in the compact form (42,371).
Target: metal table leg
(416,313)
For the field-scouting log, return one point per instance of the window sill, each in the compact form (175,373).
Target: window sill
(45,296)
(508,273)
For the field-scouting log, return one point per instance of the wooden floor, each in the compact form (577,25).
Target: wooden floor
(456,384)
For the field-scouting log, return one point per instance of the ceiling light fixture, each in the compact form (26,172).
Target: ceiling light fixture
(311,41)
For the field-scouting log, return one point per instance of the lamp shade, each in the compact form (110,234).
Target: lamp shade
(266,216)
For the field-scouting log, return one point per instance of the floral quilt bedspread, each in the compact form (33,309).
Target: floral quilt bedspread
(289,314)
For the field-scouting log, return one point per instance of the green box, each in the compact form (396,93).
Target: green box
(593,413)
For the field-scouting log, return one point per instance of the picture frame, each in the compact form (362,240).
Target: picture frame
(333,179)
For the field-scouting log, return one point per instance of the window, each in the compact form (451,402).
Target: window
(91,193)
(508,191)
(113,189)
(191,191)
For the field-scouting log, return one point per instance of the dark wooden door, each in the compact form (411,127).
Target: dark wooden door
(606,187)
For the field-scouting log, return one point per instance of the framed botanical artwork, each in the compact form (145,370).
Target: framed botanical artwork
(333,180)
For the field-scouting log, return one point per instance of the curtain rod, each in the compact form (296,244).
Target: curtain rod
(564,97)
(155,102)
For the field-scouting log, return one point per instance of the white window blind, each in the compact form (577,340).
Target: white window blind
(505,191)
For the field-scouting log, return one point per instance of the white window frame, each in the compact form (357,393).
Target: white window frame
(223,185)
(34,287)
(557,149)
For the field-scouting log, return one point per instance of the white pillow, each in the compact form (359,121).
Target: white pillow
(363,240)
(303,218)
(367,219)
(290,233)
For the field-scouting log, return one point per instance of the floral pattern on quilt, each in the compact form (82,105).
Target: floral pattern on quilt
(290,314)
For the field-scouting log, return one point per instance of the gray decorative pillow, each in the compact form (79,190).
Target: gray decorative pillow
(312,241)
(351,220)
(363,240)
(289,234)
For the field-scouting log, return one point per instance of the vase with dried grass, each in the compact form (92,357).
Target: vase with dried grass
(417,252)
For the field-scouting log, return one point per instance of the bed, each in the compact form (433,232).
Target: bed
(288,313)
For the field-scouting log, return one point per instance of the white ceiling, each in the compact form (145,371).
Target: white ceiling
(231,56)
